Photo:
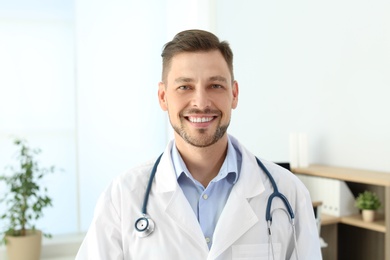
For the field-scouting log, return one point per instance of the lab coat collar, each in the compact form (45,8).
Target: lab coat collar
(165,178)
(252,183)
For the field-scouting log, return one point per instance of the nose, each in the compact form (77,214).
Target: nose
(201,99)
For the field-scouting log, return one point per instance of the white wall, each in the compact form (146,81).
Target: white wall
(119,121)
(316,67)
(37,98)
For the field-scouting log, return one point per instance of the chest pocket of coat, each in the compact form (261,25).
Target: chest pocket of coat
(256,252)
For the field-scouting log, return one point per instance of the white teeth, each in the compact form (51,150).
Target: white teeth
(200,119)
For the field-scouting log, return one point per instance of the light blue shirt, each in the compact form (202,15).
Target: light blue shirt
(208,202)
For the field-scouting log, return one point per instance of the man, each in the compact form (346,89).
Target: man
(208,197)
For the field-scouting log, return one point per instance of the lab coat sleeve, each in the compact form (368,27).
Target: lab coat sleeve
(308,243)
(103,239)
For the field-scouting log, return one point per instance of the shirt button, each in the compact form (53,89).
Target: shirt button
(205,196)
(207,240)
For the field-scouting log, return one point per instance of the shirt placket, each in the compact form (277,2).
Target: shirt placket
(205,214)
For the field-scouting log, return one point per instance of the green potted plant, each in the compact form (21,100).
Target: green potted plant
(24,201)
(368,202)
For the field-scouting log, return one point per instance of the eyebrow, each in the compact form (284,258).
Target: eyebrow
(218,78)
(188,80)
(183,80)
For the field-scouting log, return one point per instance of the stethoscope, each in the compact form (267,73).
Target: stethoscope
(145,225)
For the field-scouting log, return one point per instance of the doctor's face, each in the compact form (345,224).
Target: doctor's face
(199,94)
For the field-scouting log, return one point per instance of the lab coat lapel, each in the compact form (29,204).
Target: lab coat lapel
(176,204)
(238,216)
(182,214)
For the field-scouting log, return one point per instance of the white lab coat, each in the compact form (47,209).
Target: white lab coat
(241,232)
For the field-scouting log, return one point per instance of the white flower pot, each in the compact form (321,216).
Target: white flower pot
(26,247)
(368,215)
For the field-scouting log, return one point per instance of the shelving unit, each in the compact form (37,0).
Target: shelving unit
(366,177)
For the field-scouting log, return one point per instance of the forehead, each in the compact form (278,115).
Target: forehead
(198,64)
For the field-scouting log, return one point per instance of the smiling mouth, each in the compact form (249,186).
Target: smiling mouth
(200,119)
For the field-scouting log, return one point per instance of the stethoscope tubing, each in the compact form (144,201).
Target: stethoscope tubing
(268,215)
(276,193)
(149,187)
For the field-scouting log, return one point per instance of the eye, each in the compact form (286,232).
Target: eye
(183,87)
(216,86)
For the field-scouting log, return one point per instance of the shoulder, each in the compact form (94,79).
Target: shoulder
(277,170)
(128,184)
(134,178)
(125,192)
(289,184)
(283,176)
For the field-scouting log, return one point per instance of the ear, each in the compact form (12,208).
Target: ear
(235,94)
(162,97)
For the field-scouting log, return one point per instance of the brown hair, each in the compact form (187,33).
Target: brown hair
(195,41)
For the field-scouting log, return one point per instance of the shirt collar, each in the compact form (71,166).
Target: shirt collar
(230,164)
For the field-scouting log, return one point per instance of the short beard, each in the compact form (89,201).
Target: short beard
(204,141)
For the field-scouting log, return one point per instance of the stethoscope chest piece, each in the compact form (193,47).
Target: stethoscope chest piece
(145,226)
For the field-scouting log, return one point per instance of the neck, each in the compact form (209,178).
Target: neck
(203,163)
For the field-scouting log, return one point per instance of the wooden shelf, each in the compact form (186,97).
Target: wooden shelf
(357,221)
(346,174)
(329,220)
